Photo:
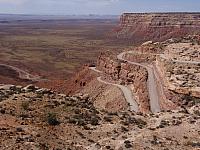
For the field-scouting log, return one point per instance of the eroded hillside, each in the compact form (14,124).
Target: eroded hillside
(155,80)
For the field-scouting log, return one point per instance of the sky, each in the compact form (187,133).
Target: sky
(101,7)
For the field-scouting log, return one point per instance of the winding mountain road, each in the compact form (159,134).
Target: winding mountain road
(151,83)
(22,74)
(126,91)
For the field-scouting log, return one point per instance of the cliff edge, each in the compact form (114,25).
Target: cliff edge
(139,27)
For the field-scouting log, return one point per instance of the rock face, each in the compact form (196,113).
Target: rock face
(124,73)
(157,26)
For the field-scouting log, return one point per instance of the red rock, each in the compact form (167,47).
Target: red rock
(140,27)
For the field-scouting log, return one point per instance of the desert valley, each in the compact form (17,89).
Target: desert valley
(128,83)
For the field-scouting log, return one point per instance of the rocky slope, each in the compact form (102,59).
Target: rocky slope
(34,118)
(179,66)
(139,27)
(105,96)
(38,118)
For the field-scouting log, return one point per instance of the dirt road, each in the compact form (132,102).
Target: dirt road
(23,74)
(126,92)
(151,83)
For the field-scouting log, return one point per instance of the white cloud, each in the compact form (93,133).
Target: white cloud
(12,1)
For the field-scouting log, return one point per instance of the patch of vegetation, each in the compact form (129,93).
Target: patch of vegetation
(192,99)
(193,143)
(52,119)
(25,105)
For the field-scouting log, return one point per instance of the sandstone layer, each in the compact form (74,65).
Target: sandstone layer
(138,27)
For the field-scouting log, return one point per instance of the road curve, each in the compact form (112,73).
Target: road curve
(126,91)
(23,74)
(151,83)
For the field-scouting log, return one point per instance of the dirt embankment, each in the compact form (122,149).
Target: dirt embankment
(107,97)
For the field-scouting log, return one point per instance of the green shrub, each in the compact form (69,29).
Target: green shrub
(52,119)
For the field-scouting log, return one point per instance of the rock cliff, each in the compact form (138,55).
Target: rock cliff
(138,27)
(124,73)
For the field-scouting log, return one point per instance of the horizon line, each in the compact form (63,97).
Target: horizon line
(91,14)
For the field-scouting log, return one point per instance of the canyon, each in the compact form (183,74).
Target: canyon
(144,95)
(157,82)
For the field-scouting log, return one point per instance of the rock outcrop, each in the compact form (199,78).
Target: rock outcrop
(138,27)
(124,73)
